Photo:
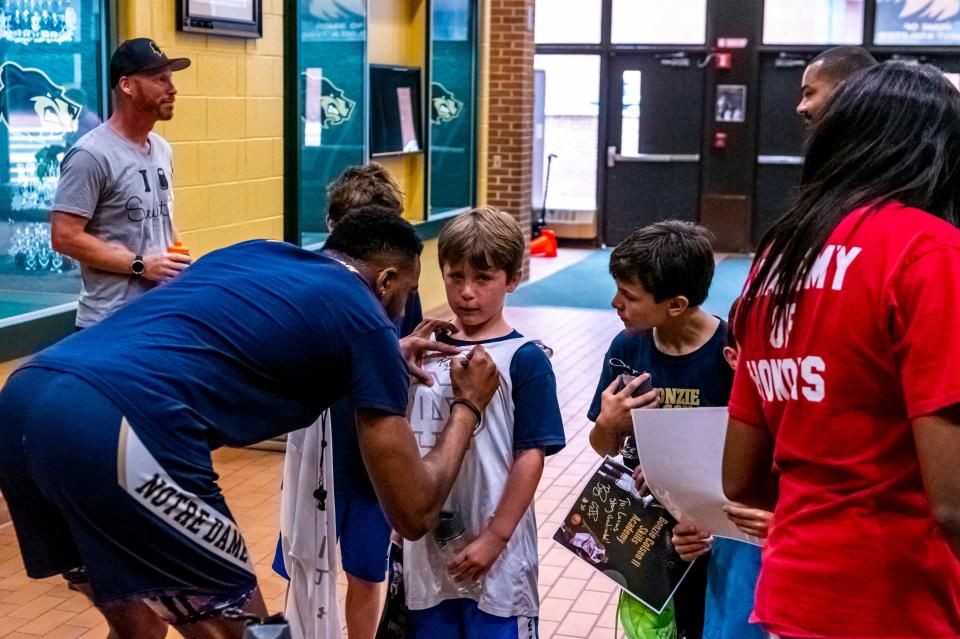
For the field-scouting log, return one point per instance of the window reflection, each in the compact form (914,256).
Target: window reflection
(658,22)
(630,118)
(451,106)
(51,94)
(331,86)
(813,22)
(567,21)
(571,110)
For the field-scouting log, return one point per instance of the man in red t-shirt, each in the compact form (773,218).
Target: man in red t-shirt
(847,397)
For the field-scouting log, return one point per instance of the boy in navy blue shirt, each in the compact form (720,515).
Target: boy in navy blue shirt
(663,273)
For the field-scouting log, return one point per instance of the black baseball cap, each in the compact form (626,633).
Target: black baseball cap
(141,55)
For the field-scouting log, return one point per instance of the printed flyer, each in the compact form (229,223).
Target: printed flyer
(624,536)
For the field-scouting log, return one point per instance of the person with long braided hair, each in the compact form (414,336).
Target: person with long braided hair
(845,411)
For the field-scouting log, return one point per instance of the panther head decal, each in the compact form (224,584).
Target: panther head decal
(444,106)
(335,107)
(29,100)
(940,10)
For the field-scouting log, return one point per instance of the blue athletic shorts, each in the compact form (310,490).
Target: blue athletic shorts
(364,535)
(463,619)
(83,489)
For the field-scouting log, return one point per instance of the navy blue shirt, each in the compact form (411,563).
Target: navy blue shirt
(349,474)
(250,342)
(700,378)
(537,422)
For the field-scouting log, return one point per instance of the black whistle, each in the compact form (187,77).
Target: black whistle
(320,494)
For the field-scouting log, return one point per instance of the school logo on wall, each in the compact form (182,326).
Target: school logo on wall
(930,9)
(335,107)
(914,22)
(31,101)
(444,106)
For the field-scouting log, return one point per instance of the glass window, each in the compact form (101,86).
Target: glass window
(452,106)
(813,21)
(630,114)
(568,132)
(918,22)
(51,92)
(567,21)
(659,22)
(331,85)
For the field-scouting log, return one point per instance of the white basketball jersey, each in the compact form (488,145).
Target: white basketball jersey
(510,588)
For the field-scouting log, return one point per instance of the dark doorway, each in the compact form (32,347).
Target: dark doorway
(655,115)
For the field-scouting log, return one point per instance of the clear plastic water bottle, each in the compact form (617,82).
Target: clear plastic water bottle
(450,535)
(631,458)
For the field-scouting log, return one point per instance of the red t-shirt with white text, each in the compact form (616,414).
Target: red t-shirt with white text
(873,341)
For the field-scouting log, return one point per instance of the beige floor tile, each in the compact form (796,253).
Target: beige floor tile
(567,588)
(578,624)
(554,609)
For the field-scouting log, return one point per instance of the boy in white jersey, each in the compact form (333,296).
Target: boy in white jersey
(489,589)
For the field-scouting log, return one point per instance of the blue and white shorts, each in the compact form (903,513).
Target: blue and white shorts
(145,518)
(463,619)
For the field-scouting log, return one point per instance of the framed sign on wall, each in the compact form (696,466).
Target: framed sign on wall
(237,18)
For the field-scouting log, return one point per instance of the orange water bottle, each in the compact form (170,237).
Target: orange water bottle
(178,248)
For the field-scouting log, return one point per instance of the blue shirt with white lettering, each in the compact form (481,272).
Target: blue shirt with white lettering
(252,341)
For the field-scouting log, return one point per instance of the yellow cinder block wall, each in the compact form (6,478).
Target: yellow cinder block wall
(227,128)
(432,295)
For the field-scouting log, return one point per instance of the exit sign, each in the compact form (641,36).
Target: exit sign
(732,43)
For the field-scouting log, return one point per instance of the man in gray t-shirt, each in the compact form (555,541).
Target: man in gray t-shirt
(113,211)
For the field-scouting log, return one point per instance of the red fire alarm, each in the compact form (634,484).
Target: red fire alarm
(719,140)
(724,60)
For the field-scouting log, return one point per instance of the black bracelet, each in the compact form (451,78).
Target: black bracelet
(473,409)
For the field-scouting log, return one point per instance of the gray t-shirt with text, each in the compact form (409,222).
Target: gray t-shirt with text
(126,193)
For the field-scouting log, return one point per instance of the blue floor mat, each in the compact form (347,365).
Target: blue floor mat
(587,284)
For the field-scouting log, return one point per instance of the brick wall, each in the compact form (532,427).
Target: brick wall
(227,130)
(509,152)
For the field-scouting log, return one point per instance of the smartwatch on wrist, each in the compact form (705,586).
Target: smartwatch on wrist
(137,266)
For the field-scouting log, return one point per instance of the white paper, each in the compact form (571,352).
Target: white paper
(681,454)
(306,536)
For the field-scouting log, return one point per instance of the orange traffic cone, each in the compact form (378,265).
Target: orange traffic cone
(545,245)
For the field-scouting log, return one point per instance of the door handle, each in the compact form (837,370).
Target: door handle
(651,158)
(780,160)
(612,156)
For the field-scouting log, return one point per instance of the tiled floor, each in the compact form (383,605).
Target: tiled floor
(575,602)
